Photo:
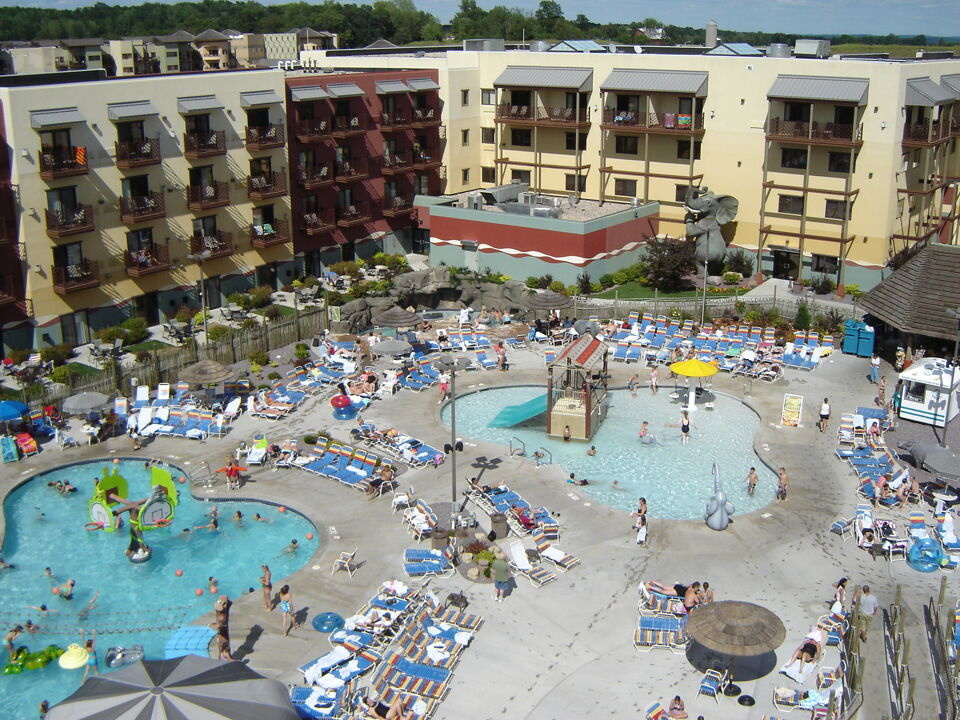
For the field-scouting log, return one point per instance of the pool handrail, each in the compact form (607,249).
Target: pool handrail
(522,445)
(545,454)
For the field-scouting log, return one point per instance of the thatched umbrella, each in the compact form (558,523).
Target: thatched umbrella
(395,317)
(549,300)
(735,628)
(207,372)
(391,347)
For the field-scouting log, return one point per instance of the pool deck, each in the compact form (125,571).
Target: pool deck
(565,650)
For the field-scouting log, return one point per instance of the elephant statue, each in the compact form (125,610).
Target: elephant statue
(719,509)
(706,213)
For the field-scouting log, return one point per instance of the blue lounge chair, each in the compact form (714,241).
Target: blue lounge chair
(325,663)
(633,352)
(317,703)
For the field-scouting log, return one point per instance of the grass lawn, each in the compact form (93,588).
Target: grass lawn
(896,51)
(287,311)
(636,291)
(147,345)
(83,370)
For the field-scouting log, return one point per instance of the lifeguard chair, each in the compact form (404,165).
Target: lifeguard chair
(577,388)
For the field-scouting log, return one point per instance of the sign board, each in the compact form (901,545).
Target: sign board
(792,409)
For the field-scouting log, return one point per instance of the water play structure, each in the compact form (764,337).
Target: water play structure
(110,498)
(719,509)
(577,389)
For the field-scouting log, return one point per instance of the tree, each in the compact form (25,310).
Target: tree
(548,15)
(669,262)
(582,22)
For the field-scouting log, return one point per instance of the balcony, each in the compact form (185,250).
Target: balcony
(352,170)
(395,123)
(955,127)
(66,222)
(312,177)
(63,162)
(263,138)
(8,293)
(206,197)
(74,64)
(268,185)
(320,222)
(4,231)
(137,153)
(348,125)
(355,214)
(201,145)
(831,134)
(426,159)
(313,130)
(653,123)
(545,116)
(218,244)
(925,134)
(426,116)
(269,234)
(401,162)
(141,208)
(398,205)
(147,261)
(70,278)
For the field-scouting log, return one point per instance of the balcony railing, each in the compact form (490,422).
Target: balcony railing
(426,116)
(219,244)
(352,170)
(311,130)
(925,133)
(136,153)
(267,136)
(204,197)
(207,144)
(355,214)
(395,121)
(827,133)
(72,221)
(397,205)
(652,122)
(70,278)
(147,261)
(345,125)
(269,234)
(8,292)
(63,162)
(312,177)
(141,208)
(319,222)
(399,162)
(545,115)
(268,185)
(426,158)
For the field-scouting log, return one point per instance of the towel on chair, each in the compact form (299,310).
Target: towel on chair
(329,682)
(436,653)
(798,671)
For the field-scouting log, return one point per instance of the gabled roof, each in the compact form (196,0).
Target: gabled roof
(924,92)
(306,32)
(585,352)
(211,35)
(230,32)
(818,87)
(657,81)
(82,42)
(180,36)
(380,44)
(914,299)
(738,49)
(577,46)
(951,83)
(545,77)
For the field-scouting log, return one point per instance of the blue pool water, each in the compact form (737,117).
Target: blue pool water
(138,604)
(676,480)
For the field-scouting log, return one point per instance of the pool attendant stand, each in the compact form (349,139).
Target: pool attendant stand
(923,391)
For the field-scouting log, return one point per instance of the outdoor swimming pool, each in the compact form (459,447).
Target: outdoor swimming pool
(138,604)
(675,479)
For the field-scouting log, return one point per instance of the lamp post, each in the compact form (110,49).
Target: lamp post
(703,305)
(200,257)
(955,314)
(451,364)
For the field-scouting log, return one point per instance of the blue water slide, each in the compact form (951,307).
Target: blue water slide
(515,414)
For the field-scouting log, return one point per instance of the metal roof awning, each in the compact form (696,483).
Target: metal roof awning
(198,103)
(951,83)
(545,77)
(826,89)
(306,93)
(422,84)
(258,98)
(126,110)
(345,90)
(40,119)
(392,87)
(924,92)
(680,82)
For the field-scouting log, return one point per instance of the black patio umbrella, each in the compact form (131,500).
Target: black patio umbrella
(207,372)
(187,687)
(548,300)
(395,317)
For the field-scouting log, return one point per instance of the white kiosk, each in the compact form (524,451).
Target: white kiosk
(924,389)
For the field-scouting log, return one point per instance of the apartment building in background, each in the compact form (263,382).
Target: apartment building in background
(839,165)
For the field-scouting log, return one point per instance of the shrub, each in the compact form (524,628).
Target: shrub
(261,296)
(853,291)
(249,324)
(334,299)
(274,312)
(477,546)
(256,368)
(620,277)
(583,283)
(109,334)
(185,313)
(301,351)
(20,356)
(346,267)
(732,278)
(199,318)
(287,288)
(596,287)
(217,332)
(273,375)
(532,282)
(822,285)
(258,357)
(636,272)
(241,299)
(714,267)
(606,280)
(556,286)
(310,281)
(739,261)
(309,439)
(830,322)
(802,319)
(571,290)
(669,262)
(143,356)
(63,374)
(136,328)
(545,281)
(58,354)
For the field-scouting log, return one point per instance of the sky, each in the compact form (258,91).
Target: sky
(871,17)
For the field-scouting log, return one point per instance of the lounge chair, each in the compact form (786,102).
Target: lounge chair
(313,702)
(442,566)
(258,453)
(484,362)
(163,395)
(26,444)
(324,664)
(555,555)
(656,711)
(713,683)
(798,670)
(141,398)
(346,561)
(519,561)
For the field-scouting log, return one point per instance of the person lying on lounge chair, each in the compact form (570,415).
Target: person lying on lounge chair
(662,588)
(810,650)
(523,517)
(396,710)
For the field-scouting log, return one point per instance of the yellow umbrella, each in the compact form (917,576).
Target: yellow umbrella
(694,368)
(74,658)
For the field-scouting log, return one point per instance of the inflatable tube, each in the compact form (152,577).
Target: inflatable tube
(120,656)
(925,555)
(36,660)
(13,669)
(140,557)
(54,652)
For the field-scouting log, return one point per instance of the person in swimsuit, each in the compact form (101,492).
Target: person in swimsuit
(395,710)
(212,526)
(654,379)
(684,427)
(10,637)
(691,598)
(783,483)
(809,651)
(267,585)
(632,384)
(285,607)
(706,595)
(66,590)
(752,481)
(90,647)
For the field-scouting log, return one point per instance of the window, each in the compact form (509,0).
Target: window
(791,204)
(683,150)
(628,103)
(837,209)
(464,137)
(94,57)
(488,97)
(626,144)
(680,194)
(172,53)
(839,162)
(796,112)
(824,264)
(576,183)
(914,391)
(464,97)
(520,176)
(843,115)
(488,136)
(140,240)
(793,158)
(521,136)
(488,174)
(127,56)
(625,187)
(465,176)
(572,141)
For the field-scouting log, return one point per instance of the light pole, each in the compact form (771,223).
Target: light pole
(200,257)
(703,306)
(451,364)
(955,314)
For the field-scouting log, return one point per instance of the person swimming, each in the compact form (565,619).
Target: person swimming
(646,437)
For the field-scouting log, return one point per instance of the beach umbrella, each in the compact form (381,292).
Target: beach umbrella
(586,326)
(391,347)
(207,372)
(548,300)
(12,410)
(84,402)
(933,458)
(694,368)
(185,687)
(735,628)
(395,317)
